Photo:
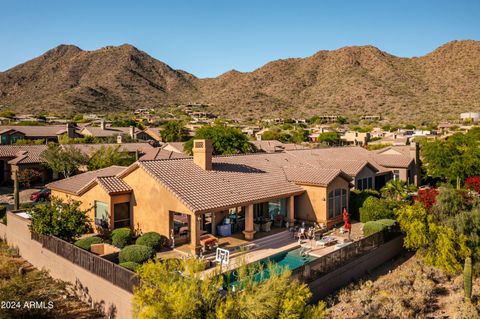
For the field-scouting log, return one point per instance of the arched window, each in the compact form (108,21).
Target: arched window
(337,200)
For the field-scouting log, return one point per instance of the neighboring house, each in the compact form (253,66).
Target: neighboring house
(356,138)
(153,133)
(472,116)
(272,146)
(12,133)
(21,157)
(177,147)
(188,197)
(104,131)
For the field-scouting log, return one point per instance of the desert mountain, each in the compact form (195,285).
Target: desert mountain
(351,80)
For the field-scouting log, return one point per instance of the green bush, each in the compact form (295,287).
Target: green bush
(358,198)
(27,205)
(130,265)
(372,227)
(376,208)
(121,237)
(136,253)
(86,243)
(151,239)
(3,211)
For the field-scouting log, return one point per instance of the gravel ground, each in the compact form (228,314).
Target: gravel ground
(6,195)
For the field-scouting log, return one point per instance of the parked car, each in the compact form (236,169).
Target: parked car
(41,195)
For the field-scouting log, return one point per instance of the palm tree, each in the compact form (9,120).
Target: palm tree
(396,189)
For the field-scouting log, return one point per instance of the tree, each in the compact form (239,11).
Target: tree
(107,156)
(396,190)
(225,140)
(454,159)
(173,131)
(26,176)
(330,138)
(175,290)
(448,202)
(439,244)
(65,220)
(64,159)
(376,208)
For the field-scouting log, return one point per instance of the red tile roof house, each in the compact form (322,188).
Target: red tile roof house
(188,197)
(19,157)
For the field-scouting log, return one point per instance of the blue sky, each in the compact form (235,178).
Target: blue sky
(208,38)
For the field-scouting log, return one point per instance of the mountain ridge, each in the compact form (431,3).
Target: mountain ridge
(354,80)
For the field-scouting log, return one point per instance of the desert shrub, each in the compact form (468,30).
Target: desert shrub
(135,253)
(130,265)
(121,237)
(86,243)
(3,211)
(151,239)
(376,208)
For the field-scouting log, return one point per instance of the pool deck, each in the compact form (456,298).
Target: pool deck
(261,248)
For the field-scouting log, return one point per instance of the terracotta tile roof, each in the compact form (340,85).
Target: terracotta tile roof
(314,176)
(159,153)
(107,132)
(88,149)
(113,185)
(80,183)
(276,146)
(177,147)
(234,180)
(36,131)
(22,154)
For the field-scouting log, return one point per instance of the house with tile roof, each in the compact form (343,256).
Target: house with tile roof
(185,198)
(10,134)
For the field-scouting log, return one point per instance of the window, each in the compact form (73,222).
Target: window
(396,174)
(330,204)
(121,215)
(364,183)
(101,214)
(337,200)
(277,207)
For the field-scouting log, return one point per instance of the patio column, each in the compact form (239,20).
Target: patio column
(195,233)
(249,232)
(291,210)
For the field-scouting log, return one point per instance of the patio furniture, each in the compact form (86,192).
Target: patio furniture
(224,230)
(300,234)
(208,241)
(327,241)
(256,227)
(278,221)
(266,226)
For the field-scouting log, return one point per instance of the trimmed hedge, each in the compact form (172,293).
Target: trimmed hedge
(376,226)
(136,253)
(121,237)
(130,265)
(86,243)
(376,208)
(151,239)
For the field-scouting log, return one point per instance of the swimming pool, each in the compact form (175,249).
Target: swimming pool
(291,260)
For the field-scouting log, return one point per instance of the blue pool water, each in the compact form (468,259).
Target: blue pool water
(291,260)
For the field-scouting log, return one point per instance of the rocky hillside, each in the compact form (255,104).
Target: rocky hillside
(350,80)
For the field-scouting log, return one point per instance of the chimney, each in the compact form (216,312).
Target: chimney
(132,132)
(102,124)
(202,154)
(415,151)
(70,130)
(119,139)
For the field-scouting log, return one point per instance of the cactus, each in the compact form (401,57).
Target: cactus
(16,192)
(467,279)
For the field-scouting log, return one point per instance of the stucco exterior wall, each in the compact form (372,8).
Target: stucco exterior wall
(114,301)
(151,203)
(313,204)
(365,173)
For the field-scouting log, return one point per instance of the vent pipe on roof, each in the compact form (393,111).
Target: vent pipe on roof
(202,154)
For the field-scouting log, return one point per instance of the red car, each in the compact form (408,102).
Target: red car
(41,195)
